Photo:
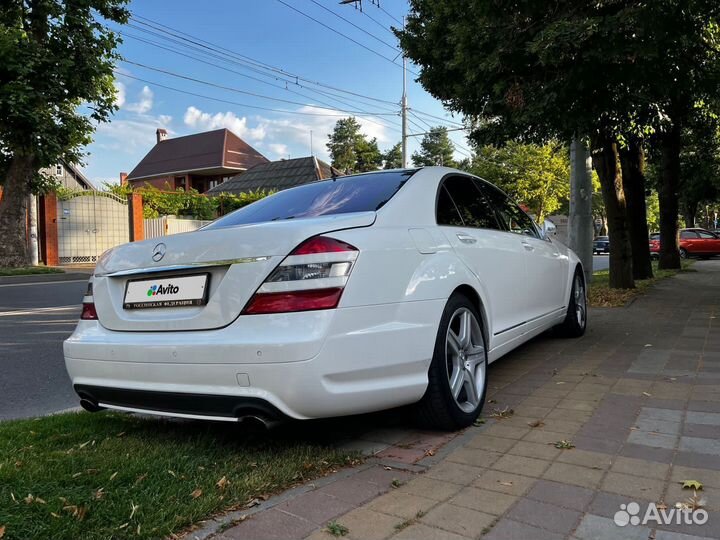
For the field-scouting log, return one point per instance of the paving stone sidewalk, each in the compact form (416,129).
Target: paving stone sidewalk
(638,397)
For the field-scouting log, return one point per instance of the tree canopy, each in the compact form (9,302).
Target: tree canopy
(57,84)
(436,148)
(536,175)
(393,157)
(350,150)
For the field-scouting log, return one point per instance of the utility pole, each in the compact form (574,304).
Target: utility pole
(580,220)
(404,109)
(403,100)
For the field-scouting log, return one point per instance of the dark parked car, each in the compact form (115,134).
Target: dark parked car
(601,244)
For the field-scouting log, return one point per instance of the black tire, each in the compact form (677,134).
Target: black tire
(684,254)
(572,326)
(438,408)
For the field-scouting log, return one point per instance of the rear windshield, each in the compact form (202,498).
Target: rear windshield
(360,193)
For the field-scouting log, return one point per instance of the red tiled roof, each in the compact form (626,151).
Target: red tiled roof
(209,151)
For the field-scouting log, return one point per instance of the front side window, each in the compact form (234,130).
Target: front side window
(473,207)
(707,234)
(343,195)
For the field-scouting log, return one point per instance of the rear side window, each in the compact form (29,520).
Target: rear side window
(510,214)
(447,212)
(688,235)
(346,194)
(473,207)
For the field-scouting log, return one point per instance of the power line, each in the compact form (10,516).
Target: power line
(393,17)
(273,85)
(381,25)
(394,47)
(237,90)
(295,78)
(341,34)
(437,117)
(220,100)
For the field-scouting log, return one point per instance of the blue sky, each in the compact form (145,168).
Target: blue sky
(264,32)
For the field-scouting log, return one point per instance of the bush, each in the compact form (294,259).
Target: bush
(188,203)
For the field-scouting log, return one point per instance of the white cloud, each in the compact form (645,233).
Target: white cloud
(119,94)
(203,121)
(144,103)
(295,132)
(280,150)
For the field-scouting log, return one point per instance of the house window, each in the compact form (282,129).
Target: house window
(58,170)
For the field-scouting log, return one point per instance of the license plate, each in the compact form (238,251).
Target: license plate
(166,292)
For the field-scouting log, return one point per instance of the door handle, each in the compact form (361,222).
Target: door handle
(466,238)
(527,246)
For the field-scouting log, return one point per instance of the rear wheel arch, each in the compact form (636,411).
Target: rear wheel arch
(469,292)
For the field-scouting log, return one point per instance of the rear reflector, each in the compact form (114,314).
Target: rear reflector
(88,312)
(294,301)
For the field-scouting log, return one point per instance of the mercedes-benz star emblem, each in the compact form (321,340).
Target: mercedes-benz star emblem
(159,252)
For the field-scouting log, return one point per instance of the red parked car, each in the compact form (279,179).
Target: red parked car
(693,243)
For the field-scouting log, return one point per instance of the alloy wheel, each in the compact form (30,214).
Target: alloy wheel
(580,300)
(465,359)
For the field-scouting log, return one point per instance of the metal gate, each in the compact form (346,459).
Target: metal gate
(90,222)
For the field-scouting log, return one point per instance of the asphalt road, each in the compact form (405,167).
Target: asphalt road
(601,262)
(35,318)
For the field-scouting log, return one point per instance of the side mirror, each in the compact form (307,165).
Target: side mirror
(548,228)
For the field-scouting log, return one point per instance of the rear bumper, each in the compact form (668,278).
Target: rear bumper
(311,365)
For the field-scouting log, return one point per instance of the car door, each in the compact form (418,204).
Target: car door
(546,267)
(471,226)
(709,244)
(689,241)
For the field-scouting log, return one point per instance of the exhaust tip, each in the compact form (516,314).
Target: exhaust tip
(89,405)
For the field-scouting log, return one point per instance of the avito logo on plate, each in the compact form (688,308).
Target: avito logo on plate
(168,289)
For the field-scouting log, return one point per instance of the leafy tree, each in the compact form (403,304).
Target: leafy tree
(57,85)
(393,157)
(369,157)
(536,175)
(350,150)
(436,148)
(605,70)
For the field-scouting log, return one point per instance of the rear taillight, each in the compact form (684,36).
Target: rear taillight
(88,312)
(312,277)
(88,306)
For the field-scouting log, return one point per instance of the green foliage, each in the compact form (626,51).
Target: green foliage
(350,150)
(537,175)
(393,157)
(157,203)
(57,79)
(540,70)
(436,148)
(369,157)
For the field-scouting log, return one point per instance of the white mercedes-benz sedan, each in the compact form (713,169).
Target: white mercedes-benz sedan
(339,297)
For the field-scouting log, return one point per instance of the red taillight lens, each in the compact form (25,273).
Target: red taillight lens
(294,301)
(312,277)
(322,244)
(88,312)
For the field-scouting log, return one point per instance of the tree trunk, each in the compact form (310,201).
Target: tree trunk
(632,159)
(689,213)
(13,207)
(668,197)
(580,219)
(606,160)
